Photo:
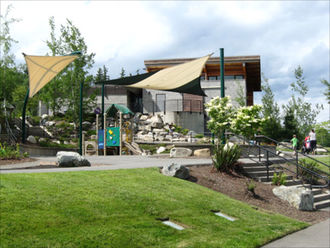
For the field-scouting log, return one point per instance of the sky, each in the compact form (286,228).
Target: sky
(123,34)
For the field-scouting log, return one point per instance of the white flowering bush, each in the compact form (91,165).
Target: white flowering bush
(247,121)
(221,113)
(224,117)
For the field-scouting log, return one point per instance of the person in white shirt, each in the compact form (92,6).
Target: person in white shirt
(312,138)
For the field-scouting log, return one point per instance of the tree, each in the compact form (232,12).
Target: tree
(53,92)
(122,73)
(102,74)
(322,131)
(270,111)
(327,92)
(290,125)
(303,112)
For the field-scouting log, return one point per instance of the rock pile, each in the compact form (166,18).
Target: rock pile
(152,128)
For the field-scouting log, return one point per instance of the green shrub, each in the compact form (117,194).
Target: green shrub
(251,187)
(312,165)
(9,152)
(225,156)
(199,136)
(279,179)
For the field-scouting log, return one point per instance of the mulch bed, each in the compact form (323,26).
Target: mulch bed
(235,186)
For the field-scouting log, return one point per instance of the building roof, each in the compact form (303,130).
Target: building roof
(248,66)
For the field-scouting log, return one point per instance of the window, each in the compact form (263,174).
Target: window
(202,78)
(212,77)
(160,102)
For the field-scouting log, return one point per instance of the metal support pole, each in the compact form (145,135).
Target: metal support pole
(102,106)
(104,135)
(222,73)
(120,132)
(81,117)
(222,79)
(267,165)
(97,134)
(297,165)
(23,115)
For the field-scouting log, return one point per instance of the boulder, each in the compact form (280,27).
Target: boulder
(175,170)
(32,139)
(71,159)
(297,196)
(44,116)
(161,149)
(156,121)
(320,150)
(205,152)
(50,123)
(177,152)
(143,117)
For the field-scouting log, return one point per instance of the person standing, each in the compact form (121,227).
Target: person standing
(294,141)
(312,138)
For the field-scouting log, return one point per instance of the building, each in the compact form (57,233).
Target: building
(242,79)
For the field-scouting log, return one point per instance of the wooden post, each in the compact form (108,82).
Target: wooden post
(97,134)
(104,134)
(120,132)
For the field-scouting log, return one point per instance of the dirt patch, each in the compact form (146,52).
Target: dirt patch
(16,161)
(235,186)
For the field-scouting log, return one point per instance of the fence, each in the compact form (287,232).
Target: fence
(176,105)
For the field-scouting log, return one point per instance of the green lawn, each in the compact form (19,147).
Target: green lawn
(119,209)
(320,166)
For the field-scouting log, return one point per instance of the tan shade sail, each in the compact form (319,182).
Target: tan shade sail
(42,69)
(173,77)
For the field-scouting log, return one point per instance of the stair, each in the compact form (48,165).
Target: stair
(258,172)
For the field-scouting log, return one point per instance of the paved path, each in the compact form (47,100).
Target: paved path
(317,235)
(105,163)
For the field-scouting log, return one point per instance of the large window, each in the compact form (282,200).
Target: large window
(160,102)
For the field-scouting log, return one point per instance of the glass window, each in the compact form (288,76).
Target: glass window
(239,77)
(212,77)
(229,77)
(202,78)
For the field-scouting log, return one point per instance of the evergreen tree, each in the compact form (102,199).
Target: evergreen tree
(303,111)
(327,91)
(271,112)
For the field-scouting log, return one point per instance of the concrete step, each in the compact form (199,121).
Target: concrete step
(322,204)
(258,168)
(321,197)
(263,173)
(316,191)
(292,182)
(264,179)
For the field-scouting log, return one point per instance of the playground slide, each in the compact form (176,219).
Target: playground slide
(132,149)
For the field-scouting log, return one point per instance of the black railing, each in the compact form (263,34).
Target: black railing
(312,173)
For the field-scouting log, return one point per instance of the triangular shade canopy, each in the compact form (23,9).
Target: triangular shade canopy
(42,69)
(183,78)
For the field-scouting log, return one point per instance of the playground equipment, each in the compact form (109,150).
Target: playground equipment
(118,137)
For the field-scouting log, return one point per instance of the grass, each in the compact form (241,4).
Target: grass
(119,209)
(320,166)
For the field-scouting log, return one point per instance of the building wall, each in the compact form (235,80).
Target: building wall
(232,89)
(193,121)
(173,101)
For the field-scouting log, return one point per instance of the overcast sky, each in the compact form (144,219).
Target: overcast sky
(123,34)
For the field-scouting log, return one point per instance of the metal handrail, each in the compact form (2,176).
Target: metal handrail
(312,172)
(279,143)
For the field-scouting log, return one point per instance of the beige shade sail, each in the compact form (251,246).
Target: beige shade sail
(43,69)
(173,77)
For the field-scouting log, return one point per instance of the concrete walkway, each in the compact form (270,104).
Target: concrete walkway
(317,235)
(104,163)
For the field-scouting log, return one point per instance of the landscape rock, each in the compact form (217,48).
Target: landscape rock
(320,150)
(161,149)
(156,121)
(178,152)
(205,152)
(50,123)
(32,139)
(175,170)
(297,196)
(71,159)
